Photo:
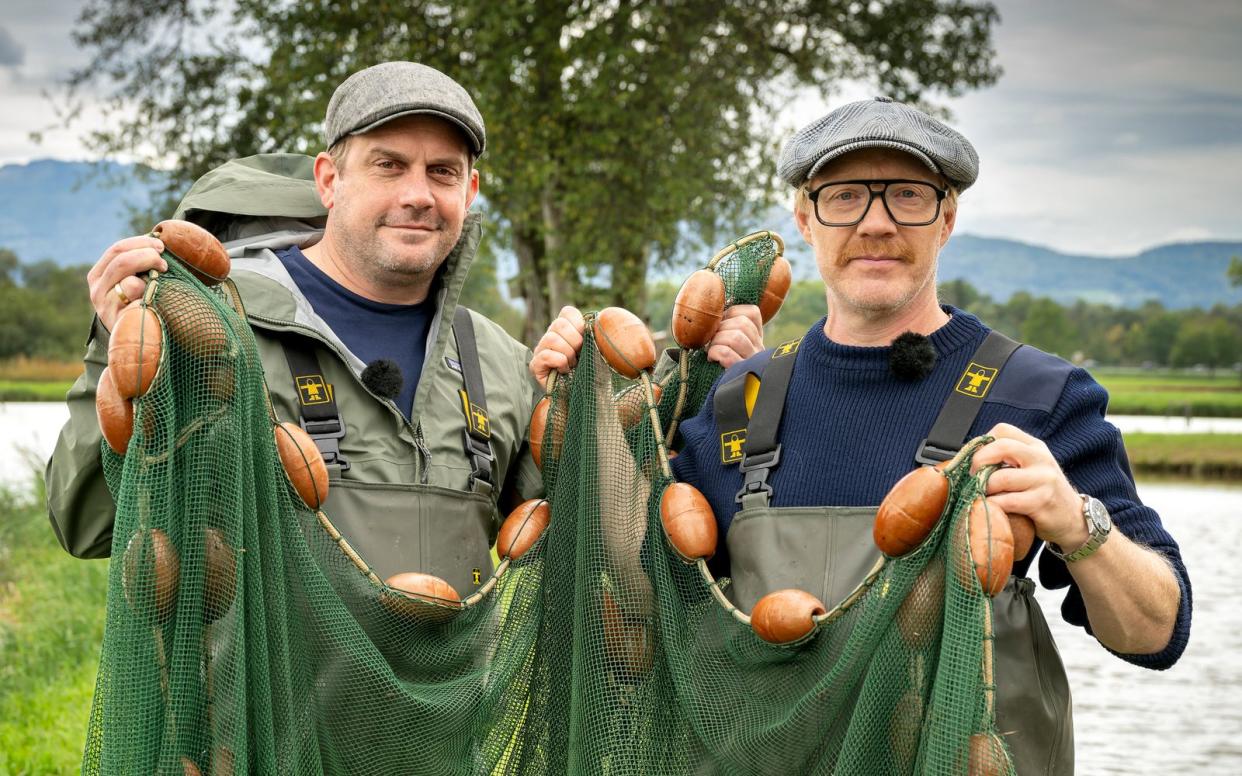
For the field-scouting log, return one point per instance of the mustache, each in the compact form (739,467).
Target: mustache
(428,221)
(872,247)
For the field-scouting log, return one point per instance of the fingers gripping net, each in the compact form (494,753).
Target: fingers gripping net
(753,271)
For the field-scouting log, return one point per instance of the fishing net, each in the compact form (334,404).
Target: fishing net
(244,635)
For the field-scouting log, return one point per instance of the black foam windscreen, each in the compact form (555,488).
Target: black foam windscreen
(383,376)
(912,357)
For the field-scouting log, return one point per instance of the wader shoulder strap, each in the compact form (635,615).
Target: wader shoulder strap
(477,435)
(316,403)
(962,407)
(761,452)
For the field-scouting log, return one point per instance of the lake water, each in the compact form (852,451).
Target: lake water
(1127,720)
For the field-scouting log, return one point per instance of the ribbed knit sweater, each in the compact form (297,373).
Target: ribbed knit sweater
(850,430)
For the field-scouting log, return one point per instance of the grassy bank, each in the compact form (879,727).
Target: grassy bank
(51,628)
(1201,456)
(37,379)
(1172,393)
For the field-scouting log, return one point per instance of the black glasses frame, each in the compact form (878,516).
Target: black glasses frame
(884,183)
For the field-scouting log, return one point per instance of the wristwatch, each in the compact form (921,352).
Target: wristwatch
(1099,524)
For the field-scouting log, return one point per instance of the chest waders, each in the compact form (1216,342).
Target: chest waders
(828,550)
(397,526)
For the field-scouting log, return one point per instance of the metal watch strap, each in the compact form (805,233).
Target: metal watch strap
(1095,538)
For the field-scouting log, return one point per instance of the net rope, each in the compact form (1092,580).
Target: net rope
(244,636)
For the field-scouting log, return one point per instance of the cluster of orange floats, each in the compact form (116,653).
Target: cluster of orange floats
(905,518)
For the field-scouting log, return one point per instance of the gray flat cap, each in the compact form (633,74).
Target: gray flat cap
(879,123)
(390,90)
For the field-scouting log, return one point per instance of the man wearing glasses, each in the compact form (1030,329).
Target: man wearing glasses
(890,379)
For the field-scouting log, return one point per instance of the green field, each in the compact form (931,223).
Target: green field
(1200,456)
(34,390)
(1172,393)
(51,627)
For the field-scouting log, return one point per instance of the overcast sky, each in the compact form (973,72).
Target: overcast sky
(1117,124)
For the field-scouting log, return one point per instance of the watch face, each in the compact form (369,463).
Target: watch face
(1101,521)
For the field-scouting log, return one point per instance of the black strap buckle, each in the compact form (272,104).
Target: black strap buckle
(479,452)
(755,468)
(930,455)
(325,434)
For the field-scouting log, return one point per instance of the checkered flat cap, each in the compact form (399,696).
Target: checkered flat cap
(383,92)
(879,123)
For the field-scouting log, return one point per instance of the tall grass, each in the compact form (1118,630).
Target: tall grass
(51,628)
(24,369)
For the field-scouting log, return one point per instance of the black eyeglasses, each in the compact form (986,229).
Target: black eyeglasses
(908,203)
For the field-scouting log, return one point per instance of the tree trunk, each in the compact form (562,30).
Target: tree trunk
(629,280)
(532,271)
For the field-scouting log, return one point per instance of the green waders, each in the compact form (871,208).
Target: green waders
(827,551)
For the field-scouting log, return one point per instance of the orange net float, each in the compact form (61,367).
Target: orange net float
(785,616)
(303,463)
(920,615)
(115,414)
(522,528)
(191,321)
(1023,529)
(221,578)
(775,290)
(688,522)
(990,543)
(421,597)
(987,755)
(198,249)
(151,548)
(697,311)
(134,350)
(539,425)
(624,341)
(632,404)
(628,643)
(910,510)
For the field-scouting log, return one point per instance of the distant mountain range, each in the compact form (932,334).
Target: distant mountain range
(68,212)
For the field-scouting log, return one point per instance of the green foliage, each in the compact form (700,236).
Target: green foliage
(610,125)
(1235,271)
(51,626)
(44,309)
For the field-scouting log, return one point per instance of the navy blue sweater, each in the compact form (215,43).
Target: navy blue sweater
(371,330)
(850,430)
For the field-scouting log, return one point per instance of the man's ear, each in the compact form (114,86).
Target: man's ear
(950,220)
(325,179)
(802,217)
(472,188)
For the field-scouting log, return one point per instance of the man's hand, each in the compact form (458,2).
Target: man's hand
(558,348)
(738,337)
(1032,484)
(114,281)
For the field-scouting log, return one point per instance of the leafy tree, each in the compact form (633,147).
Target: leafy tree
(610,123)
(1235,271)
(1047,327)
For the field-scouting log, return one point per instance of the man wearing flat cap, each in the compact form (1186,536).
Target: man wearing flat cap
(890,380)
(350,266)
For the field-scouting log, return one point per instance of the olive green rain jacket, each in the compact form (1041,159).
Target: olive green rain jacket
(408,485)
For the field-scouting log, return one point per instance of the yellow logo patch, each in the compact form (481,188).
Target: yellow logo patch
(476,418)
(313,390)
(786,348)
(476,576)
(731,443)
(976,380)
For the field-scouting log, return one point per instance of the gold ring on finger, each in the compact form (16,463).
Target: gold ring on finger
(120,293)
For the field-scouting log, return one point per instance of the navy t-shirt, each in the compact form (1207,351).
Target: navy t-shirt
(371,330)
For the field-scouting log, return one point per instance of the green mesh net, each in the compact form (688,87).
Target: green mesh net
(243,635)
